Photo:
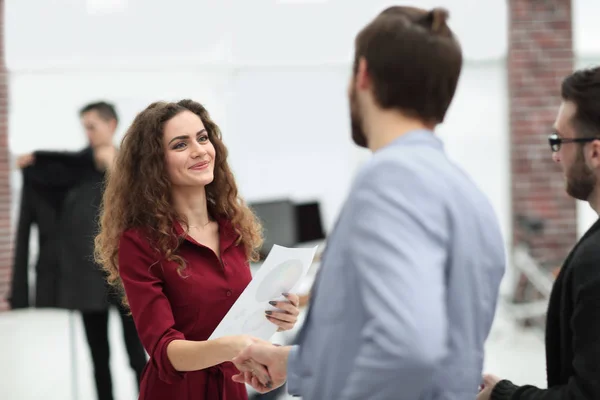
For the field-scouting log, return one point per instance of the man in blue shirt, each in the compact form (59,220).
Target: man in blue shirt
(408,286)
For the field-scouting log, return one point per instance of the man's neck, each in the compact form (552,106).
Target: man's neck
(384,126)
(594,200)
(102,144)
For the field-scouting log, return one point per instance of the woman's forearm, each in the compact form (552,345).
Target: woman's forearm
(188,355)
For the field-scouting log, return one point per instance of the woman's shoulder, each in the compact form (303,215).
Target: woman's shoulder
(135,243)
(145,238)
(137,236)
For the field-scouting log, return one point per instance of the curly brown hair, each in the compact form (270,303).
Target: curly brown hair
(138,193)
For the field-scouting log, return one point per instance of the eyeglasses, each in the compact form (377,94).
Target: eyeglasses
(556,141)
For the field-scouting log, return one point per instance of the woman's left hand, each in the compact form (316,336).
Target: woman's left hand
(287,314)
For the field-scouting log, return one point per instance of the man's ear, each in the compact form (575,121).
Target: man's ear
(363,80)
(113,124)
(594,155)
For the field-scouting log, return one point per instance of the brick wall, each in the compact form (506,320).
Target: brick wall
(540,55)
(5,195)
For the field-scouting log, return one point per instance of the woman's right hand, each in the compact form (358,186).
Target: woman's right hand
(235,345)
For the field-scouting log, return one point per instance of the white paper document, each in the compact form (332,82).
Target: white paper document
(282,272)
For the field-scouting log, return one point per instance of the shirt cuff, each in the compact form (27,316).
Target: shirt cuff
(294,379)
(166,372)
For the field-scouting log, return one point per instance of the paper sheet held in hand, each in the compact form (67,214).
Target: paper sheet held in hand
(281,272)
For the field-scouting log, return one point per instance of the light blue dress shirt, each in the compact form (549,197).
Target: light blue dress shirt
(407,290)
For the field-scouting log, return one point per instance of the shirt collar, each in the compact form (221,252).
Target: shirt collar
(422,137)
(227,234)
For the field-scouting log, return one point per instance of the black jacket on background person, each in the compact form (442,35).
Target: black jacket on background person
(572,330)
(85,283)
(40,205)
(61,195)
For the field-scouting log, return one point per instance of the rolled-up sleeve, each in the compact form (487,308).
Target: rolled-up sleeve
(140,272)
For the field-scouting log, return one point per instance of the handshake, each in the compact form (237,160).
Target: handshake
(262,365)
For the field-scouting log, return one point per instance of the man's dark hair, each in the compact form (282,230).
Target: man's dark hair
(413,60)
(105,110)
(582,88)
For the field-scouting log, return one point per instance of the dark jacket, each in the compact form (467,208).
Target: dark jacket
(40,205)
(572,330)
(61,194)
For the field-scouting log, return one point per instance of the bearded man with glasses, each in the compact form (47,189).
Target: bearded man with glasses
(580,179)
(573,318)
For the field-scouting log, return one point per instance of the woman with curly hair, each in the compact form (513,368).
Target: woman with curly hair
(175,235)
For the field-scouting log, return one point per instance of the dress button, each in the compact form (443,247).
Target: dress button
(228,293)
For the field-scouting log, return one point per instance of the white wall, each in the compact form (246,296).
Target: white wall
(272,73)
(275,82)
(77,33)
(586,29)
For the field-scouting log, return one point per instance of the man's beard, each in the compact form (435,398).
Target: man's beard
(358,134)
(581,181)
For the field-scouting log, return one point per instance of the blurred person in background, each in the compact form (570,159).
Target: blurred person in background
(408,285)
(177,237)
(82,282)
(573,317)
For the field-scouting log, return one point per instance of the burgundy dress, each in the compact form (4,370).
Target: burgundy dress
(167,306)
